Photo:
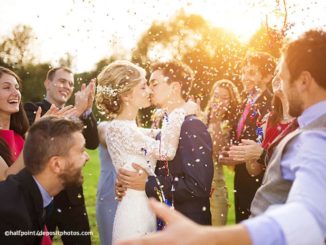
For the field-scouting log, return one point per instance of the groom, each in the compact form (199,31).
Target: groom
(186,180)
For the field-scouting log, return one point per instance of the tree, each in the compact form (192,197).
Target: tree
(267,40)
(17,49)
(270,37)
(33,76)
(67,60)
(213,53)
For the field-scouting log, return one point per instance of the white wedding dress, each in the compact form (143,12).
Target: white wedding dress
(129,144)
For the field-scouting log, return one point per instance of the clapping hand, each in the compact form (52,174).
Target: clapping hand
(67,111)
(85,97)
(247,150)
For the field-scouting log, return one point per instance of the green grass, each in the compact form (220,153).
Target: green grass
(91,176)
(229,174)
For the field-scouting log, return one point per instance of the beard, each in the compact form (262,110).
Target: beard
(295,104)
(71,178)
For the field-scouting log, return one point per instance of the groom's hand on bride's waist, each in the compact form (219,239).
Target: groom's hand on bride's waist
(131,179)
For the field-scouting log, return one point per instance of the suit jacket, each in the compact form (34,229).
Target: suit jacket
(244,184)
(91,136)
(191,173)
(21,208)
(90,131)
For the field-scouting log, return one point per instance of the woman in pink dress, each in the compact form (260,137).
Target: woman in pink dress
(13,122)
(13,126)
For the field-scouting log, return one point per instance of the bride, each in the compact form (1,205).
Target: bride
(122,90)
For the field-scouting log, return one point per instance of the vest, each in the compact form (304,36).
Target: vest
(275,189)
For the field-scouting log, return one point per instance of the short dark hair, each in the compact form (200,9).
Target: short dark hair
(18,120)
(308,53)
(265,62)
(48,137)
(177,72)
(51,73)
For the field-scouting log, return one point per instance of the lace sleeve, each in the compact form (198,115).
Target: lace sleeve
(151,132)
(129,139)
(170,134)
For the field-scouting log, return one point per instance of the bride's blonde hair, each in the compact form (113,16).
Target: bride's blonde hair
(117,78)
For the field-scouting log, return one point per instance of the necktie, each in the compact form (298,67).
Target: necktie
(243,119)
(47,211)
(292,126)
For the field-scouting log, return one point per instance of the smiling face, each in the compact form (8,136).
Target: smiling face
(60,88)
(221,97)
(10,95)
(74,162)
(251,77)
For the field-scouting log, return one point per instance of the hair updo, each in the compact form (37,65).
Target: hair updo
(117,78)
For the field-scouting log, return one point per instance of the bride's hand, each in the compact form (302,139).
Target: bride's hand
(191,108)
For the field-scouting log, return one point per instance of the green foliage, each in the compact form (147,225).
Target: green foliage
(33,77)
(213,53)
(16,50)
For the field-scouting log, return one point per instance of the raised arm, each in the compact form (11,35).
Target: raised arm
(126,138)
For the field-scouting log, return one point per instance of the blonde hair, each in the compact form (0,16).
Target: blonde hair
(234,97)
(117,78)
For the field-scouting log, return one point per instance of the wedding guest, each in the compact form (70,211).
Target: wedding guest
(13,122)
(277,123)
(13,126)
(219,116)
(54,154)
(106,202)
(69,205)
(257,73)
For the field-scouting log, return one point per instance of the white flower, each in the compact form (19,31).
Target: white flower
(107,90)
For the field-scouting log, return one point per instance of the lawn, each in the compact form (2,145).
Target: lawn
(91,175)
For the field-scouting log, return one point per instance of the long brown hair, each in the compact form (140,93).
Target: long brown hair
(234,99)
(18,120)
(5,152)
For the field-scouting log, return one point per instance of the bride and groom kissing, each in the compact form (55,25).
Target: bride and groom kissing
(173,164)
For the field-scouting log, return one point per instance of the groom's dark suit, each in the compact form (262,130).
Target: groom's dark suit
(191,173)
(21,209)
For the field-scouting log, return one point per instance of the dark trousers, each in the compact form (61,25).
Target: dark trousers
(245,187)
